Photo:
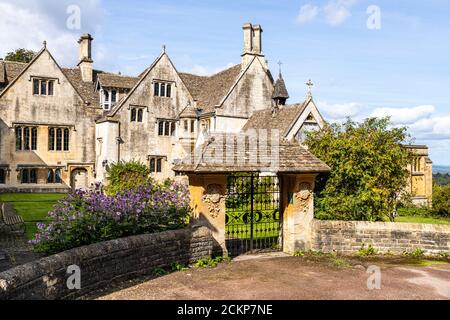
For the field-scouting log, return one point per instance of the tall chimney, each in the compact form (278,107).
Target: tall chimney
(85,57)
(248,37)
(252,43)
(257,39)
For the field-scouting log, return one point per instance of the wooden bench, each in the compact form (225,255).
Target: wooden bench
(9,217)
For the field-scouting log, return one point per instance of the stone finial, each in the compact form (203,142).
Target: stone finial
(309,84)
(45,44)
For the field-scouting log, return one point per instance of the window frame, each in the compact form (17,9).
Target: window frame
(156,164)
(26,138)
(140,115)
(43,87)
(167,128)
(28,176)
(162,88)
(3,174)
(59,139)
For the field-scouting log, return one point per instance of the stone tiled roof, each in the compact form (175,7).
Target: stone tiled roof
(188,112)
(286,157)
(117,81)
(210,90)
(9,70)
(280,90)
(281,119)
(85,89)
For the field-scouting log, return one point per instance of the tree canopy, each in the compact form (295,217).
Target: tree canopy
(368,169)
(20,55)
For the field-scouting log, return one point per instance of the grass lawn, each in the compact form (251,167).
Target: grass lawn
(33,207)
(419,219)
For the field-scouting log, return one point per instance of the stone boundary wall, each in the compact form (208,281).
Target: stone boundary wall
(101,263)
(349,236)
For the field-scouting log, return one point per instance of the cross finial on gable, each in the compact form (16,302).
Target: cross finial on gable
(45,44)
(279,67)
(164,48)
(310,84)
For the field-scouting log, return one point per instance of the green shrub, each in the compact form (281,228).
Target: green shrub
(126,175)
(364,252)
(299,254)
(158,272)
(179,267)
(441,200)
(412,211)
(86,217)
(208,262)
(368,169)
(417,253)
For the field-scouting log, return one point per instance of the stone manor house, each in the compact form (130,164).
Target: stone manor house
(60,128)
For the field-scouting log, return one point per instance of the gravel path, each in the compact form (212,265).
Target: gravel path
(293,278)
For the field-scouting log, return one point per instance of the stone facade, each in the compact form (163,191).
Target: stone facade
(64,109)
(420,179)
(349,236)
(103,263)
(157,117)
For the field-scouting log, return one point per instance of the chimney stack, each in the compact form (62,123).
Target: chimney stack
(85,58)
(257,40)
(252,43)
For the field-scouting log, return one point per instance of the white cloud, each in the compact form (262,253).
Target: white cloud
(26,24)
(335,12)
(434,128)
(338,11)
(339,111)
(307,13)
(405,115)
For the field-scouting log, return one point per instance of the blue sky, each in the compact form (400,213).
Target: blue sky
(401,69)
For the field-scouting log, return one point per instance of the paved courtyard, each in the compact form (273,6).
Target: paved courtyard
(273,278)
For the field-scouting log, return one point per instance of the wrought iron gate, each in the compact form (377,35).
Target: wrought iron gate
(253,221)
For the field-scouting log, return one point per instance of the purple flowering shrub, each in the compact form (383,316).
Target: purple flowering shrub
(86,217)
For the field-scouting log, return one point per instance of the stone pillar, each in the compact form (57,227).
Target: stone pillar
(297,206)
(208,193)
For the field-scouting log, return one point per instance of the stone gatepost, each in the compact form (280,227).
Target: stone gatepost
(297,206)
(208,193)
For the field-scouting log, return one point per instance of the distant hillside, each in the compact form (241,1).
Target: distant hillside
(441,178)
(441,169)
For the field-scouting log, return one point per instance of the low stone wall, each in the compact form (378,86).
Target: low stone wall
(102,263)
(349,236)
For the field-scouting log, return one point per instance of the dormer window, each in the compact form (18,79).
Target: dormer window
(43,87)
(109,98)
(162,89)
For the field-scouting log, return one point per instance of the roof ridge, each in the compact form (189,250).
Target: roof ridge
(212,75)
(21,62)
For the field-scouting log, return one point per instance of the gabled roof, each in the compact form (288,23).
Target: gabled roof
(85,89)
(141,77)
(111,80)
(9,70)
(209,91)
(287,157)
(281,119)
(188,112)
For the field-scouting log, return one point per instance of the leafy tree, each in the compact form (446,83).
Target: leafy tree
(20,55)
(441,179)
(441,200)
(368,169)
(126,175)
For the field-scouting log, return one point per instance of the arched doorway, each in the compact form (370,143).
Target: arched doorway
(79,179)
